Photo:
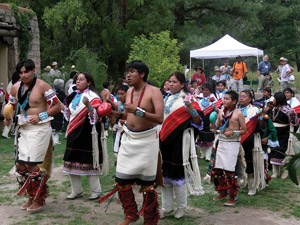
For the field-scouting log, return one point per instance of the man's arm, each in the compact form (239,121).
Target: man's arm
(56,105)
(158,103)
(243,128)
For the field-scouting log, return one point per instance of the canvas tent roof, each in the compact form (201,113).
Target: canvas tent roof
(226,47)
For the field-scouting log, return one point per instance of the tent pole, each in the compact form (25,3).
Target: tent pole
(190,69)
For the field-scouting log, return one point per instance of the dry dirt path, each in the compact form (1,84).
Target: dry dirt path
(82,211)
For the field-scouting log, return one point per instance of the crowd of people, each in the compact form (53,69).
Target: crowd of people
(157,134)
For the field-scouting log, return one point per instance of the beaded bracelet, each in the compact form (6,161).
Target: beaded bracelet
(90,108)
(43,115)
(236,133)
(194,113)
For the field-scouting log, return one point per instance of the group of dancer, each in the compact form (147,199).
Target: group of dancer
(156,142)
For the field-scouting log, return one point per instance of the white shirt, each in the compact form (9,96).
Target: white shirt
(286,68)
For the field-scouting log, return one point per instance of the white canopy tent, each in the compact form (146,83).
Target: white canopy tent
(226,47)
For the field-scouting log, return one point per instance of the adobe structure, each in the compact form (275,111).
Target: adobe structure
(9,38)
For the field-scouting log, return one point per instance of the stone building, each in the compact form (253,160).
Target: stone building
(9,38)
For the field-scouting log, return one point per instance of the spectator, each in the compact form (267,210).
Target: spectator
(239,72)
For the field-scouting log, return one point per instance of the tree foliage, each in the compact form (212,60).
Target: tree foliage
(159,52)
(108,28)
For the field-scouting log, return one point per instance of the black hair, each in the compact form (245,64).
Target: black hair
(181,78)
(280,99)
(208,86)
(268,89)
(250,93)
(15,77)
(140,66)
(289,90)
(116,86)
(27,63)
(123,88)
(90,79)
(221,82)
(105,84)
(193,81)
(233,95)
(73,74)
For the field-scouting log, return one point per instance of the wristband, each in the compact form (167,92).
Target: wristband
(90,108)
(236,133)
(43,115)
(194,113)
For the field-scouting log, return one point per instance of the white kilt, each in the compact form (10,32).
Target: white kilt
(33,142)
(138,155)
(227,153)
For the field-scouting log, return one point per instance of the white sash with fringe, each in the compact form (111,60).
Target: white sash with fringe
(190,163)
(258,163)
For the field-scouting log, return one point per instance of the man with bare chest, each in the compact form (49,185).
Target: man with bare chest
(138,154)
(35,102)
(231,123)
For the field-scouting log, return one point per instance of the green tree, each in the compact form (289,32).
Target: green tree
(88,61)
(159,52)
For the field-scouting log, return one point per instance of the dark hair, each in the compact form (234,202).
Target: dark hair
(140,66)
(208,86)
(199,68)
(193,81)
(250,94)
(27,63)
(90,79)
(221,82)
(15,77)
(105,84)
(233,95)
(181,78)
(268,89)
(162,87)
(116,86)
(73,74)
(123,88)
(280,98)
(289,90)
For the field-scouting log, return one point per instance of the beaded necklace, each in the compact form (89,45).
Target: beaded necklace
(24,97)
(244,110)
(225,119)
(204,102)
(171,102)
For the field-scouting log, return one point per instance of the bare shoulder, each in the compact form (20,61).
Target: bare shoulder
(238,112)
(15,88)
(153,89)
(42,85)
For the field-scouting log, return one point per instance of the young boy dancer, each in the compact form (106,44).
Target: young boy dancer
(231,123)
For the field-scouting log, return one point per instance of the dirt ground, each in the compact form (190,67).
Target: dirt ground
(60,211)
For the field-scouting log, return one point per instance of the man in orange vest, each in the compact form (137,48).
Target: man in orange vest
(238,72)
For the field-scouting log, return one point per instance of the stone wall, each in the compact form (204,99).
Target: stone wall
(9,32)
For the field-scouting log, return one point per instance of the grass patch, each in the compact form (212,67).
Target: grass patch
(280,195)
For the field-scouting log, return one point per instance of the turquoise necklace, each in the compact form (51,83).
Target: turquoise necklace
(168,106)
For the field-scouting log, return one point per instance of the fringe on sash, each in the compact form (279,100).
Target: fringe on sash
(190,163)
(258,163)
(105,165)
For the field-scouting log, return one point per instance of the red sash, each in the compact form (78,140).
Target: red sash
(80,117)
(297,109)
(251,125)
(209,109)
(178,117)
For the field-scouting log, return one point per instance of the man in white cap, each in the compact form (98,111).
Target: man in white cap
(285,74)
(54,71)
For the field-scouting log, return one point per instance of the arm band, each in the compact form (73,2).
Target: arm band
(194,113)
(43,115)
(90,108)
(236,133)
